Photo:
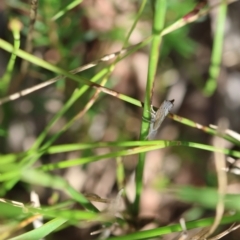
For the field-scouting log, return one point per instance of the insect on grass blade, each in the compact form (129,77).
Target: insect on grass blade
(158,117)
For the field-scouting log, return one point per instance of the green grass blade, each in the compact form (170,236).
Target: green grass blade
(83,146)
(155,233)
(15,26)
(205,129)
(42,231)
(150,145)
(216,57)
(139,13)
(65,9)
(207,197)
(47,180)
(158,26)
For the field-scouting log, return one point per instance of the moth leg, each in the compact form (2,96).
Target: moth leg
(152,110)
(153,113)
(153,116)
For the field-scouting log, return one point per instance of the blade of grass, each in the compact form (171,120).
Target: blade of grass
(120,173)
(40,62)
(84,146)
(203,128)
(216,57)
(158,26)
(73,162)
(51,67)
(15,26)
(41,232)
(124,52)
(138,149)
(207,197)
(65,9)
(29,45)
(157,232)
(146,144)
(43,179)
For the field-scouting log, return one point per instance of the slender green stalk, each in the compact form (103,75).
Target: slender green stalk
(33,176)
(70,6)
(138,148)
(216,57)
(15,26)
(158,26)
(120,173)
(10,158)
(157,232)
(139,13)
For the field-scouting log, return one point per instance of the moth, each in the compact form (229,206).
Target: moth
(158,117)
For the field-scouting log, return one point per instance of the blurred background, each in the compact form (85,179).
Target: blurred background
(89,31)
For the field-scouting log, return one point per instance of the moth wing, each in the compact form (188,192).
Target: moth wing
(161,113)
